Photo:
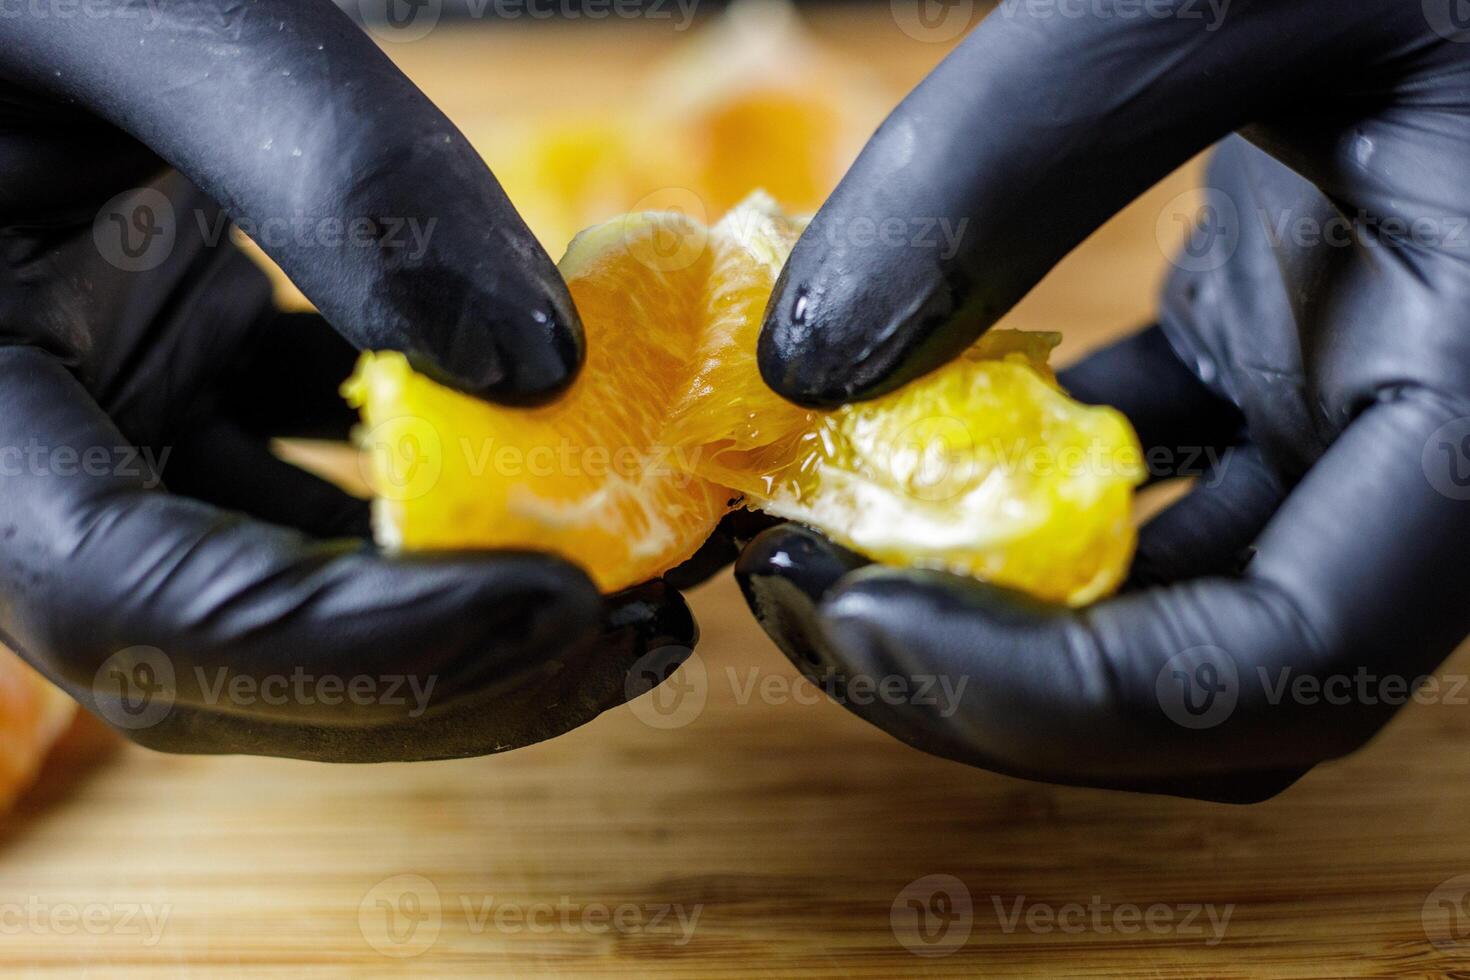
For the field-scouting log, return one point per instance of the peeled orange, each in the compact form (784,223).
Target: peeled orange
(984,468)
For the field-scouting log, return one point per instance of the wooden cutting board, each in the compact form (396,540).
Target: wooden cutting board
(781,828)
(754,829)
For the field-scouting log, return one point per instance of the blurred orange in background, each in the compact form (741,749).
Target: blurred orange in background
(749,100)
(33,715)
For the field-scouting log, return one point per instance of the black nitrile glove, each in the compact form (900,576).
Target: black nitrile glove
(139,347)
(1315,338)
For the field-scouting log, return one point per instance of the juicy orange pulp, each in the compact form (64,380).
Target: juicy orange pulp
(984,467)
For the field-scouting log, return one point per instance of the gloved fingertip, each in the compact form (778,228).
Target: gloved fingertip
(790,356)
(745,525)
(832,335)
(784,574)
(735,531)
(653,628)
(544,350)
(526,357)
(653,615)
(797,555)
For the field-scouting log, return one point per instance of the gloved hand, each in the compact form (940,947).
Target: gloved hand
(139,347)
(1313,336)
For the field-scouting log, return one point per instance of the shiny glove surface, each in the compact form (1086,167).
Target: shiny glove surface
(1311,366)
(156,559)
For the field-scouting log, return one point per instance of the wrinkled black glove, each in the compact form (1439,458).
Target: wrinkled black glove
(139,347)
(1313,338)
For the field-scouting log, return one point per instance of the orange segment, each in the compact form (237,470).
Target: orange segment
(590,476)
(984,467)
(720,410)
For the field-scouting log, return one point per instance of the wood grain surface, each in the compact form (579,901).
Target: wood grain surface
(754,828)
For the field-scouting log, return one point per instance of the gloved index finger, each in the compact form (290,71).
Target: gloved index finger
(335,163)
(1041,125)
